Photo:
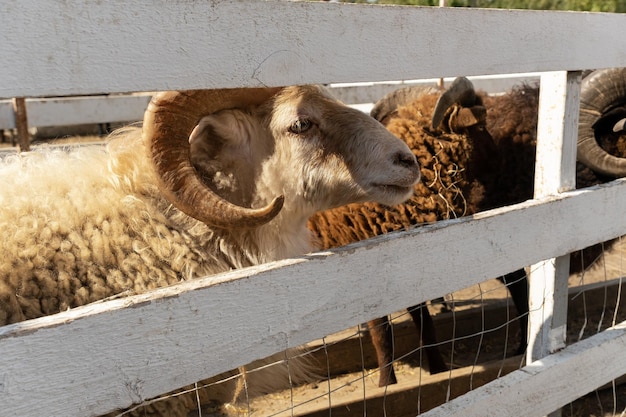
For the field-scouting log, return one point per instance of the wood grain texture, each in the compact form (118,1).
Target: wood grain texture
(90,46)
(63,111)
(555,172)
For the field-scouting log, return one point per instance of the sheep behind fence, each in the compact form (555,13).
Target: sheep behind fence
(466,170)
(63,250)
(191,39)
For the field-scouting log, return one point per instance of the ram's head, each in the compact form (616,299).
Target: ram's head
(319,152)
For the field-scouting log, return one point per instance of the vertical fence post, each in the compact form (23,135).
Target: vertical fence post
(555,172)
(21,123)
(440,82)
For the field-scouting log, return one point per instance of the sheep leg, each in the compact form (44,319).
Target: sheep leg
(428,337)
(517,284)
(382,339)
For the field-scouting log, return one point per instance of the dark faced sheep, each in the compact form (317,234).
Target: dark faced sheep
(487,164)
(456,174)
(512,122)
(215,180)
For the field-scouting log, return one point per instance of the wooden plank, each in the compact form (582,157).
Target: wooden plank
(557,131)
(65,111)
(369,92)
(555,171)
(138,347)
(82,110)
(561,377)
(7,115)
(91,47)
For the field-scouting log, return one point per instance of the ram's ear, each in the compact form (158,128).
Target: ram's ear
(467,116)
(232,127)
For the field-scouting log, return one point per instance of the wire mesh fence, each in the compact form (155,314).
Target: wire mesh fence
(478,335)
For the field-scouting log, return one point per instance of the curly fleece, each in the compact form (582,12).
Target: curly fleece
(84,225)
(105,232)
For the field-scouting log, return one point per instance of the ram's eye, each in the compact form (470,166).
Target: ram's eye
(300,126)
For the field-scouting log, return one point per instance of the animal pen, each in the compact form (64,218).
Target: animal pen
(109,355)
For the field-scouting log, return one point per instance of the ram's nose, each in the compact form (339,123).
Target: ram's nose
(408,161)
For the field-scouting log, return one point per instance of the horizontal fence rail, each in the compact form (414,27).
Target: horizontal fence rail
(298,300)
(92,47)
(564,376)
(66,111)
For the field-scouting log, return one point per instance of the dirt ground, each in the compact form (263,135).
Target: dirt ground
(609,401)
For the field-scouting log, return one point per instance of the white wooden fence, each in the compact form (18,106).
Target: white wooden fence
(67,111)
(93,359)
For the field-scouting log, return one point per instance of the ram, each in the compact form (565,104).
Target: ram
(214,180)
(477,152)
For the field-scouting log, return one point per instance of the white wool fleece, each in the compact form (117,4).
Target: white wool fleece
(81,226)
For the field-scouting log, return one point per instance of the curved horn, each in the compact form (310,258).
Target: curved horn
(168,121)
(390,102)
(600,91)
(460,91)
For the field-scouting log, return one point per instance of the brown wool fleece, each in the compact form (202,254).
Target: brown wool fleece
(68,243)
